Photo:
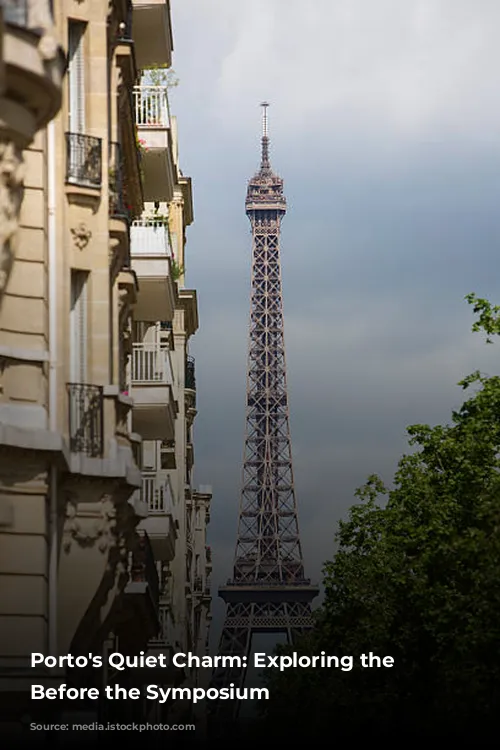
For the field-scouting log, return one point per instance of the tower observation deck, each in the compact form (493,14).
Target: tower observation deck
(268,591)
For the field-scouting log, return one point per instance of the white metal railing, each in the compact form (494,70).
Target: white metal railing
(153,493)
(156,493)
(151,364)
(151,107)
(150,237)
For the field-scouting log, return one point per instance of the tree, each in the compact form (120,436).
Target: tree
(416,577)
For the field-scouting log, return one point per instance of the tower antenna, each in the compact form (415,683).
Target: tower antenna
(264,161)
(264,106)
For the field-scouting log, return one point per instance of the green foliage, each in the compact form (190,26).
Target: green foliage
(489,316)
(160,75)
(416,577)
(177,270)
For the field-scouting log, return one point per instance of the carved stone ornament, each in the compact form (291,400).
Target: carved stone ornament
(81,235)
(89,528)
(11,196)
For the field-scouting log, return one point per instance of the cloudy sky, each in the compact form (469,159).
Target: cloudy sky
(385,125)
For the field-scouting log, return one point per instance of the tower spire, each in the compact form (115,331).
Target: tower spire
(264,162)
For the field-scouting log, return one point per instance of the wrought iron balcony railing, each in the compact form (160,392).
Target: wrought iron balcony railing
(83,160)
(151,107)
(143,567)
(86,433)
(117,201)
(151,364)
(190,379)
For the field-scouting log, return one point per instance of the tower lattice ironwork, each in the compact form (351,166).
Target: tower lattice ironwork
(268,591)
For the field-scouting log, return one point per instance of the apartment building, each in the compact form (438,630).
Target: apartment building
(98,547)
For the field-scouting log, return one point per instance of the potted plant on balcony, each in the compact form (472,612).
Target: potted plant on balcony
(161,75)
(140,144)
(176,269)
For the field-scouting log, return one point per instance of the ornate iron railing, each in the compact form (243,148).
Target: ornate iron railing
(86,434)
(83,160)
(117,201)
(190,378)
(143,567)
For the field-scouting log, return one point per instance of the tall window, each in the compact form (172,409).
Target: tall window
(76,76)
(78,327)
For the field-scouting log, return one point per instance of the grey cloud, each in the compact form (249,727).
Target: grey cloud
(384,125)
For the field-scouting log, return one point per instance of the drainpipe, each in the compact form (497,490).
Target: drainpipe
(52,292)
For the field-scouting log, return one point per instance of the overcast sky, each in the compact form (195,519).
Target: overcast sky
(385,125)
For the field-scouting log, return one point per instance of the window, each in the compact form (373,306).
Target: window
(76,76)
(78,327)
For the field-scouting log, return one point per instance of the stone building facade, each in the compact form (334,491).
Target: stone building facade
(97,388)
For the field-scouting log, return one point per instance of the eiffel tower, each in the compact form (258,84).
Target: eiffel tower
(268,591)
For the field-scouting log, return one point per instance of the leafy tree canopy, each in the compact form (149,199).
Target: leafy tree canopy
(417,577)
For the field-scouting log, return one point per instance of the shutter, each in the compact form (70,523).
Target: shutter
(76,76)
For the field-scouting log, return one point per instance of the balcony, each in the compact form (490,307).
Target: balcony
(160,524)
(190,387)
(119,215)
(190,380)
(125,46)
(32,66)
(141,595)
(152,33)
(154,411)
(152,118)
(167,454)
(189,303)
(86,435)
(189,456)
(117,199)
(83,160)
(151,254)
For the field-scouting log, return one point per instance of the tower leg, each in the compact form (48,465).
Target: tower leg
(241,622)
